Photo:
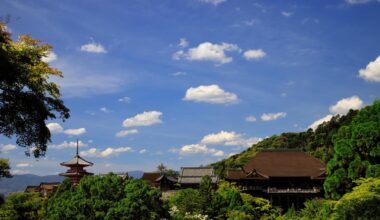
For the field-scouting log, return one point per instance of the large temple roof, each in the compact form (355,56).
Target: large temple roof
(193,175)
(77,160)
(284,164)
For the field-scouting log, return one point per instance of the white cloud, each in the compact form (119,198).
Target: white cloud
(372,71)
(286,13)
(356,2)
(341,107)
(250,118)
(105,110)
(20,172)
(200,149)
(179,73)
(254,54)
(208,52)
(183,43)
(24,165)
(212,94)
(143,119)
(344,105)
(93,48)
(142,151)
(55,128)
(315,124)
(49,57)
(214,2)
(68,144)
(229,139)
(125,99)
(93,152)
(126,132)
(272,116)
(75,132)
(7,147)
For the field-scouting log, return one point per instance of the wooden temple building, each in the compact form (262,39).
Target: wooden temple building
(160,180)
(192,176)
(45,188)
(285,177)
(76,168)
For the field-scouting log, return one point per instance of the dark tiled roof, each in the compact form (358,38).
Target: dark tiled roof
(284,164)
(193,175)
(77,160)
(151,177)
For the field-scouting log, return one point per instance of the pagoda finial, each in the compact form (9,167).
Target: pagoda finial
(77,147)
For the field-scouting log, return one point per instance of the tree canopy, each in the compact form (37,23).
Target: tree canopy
(27,98)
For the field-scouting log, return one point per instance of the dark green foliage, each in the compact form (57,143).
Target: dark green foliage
(23,206)
(356,152)
(4,168)
(106,197)
(164,170)
(27,98)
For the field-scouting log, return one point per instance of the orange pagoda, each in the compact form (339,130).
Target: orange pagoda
(76,165)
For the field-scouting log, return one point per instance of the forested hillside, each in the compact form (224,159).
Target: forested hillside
(318,142)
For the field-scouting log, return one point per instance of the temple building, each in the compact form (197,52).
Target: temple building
(45,188)
(160,180)
(76,168)
(192,176)
(285,177)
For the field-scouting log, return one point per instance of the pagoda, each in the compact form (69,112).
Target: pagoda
(76,165)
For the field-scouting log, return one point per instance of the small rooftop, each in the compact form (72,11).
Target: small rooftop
(193,175)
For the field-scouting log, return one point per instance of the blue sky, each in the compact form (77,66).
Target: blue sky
(191,82)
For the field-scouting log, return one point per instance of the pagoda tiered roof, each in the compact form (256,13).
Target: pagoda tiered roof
(77,160)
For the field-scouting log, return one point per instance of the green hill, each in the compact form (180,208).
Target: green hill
(318,143)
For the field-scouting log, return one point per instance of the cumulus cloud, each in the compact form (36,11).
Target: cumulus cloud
(68,144)
(315,124)
(183,43)
(344,105)
(126,132)
(208,52)
(200,149)
(286,13)
(55,128)
(24,165)
(143,119)
(7,147)
(93,152)
(254,54)
(75,132)
(272,116)
(125,99)
(93,48)
(229,139)
(372,71)
(49,57)
(213,2)
(212,94)
(340,107)
(250,118)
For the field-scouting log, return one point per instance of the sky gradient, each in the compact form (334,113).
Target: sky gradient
(190,82)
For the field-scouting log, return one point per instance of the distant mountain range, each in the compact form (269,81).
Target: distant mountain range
(19,182)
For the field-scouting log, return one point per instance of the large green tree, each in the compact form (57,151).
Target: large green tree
(27,98)
(356,152)
(106,197)
(23,206)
